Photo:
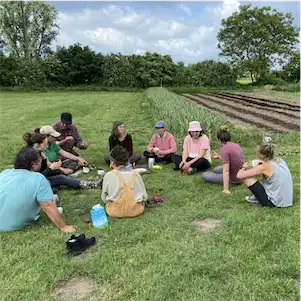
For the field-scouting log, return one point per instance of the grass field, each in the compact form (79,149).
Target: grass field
(158,256)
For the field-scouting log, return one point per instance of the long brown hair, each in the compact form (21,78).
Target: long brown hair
(115,134)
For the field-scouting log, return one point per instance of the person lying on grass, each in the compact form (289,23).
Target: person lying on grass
(123,190)
(119,136)
(276,189)
(51,170)
(69,137)
(196,151)
(162,145)
(24,192)
(232,158)
(53,151)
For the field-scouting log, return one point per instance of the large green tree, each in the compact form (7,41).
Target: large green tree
(27,28)
(291,71)
(254,39)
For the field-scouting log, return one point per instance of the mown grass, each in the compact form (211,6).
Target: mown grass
(159,255)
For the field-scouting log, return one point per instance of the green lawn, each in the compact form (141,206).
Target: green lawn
(159,255)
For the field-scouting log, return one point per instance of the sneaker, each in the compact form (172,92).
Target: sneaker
(77,173)
(76,245)
(251,199)
(56,199)
(60,210)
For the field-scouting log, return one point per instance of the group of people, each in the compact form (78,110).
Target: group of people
(48,161)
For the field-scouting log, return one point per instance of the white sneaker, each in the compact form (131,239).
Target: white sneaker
(251,199)
(56,199)
(60,210)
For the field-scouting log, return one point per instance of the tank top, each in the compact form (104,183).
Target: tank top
(279,187)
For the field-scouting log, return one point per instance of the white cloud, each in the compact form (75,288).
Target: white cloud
(227,8)
(185,8)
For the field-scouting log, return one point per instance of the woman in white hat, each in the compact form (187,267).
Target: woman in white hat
(196,151)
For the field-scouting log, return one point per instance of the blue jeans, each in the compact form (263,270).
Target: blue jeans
(63,180)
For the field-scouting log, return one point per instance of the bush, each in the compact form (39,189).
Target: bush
(288,87)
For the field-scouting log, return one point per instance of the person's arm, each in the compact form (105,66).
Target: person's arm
(104,192)
(199,156)
(49,207)
(111,144)
(151,144)
(130,145)
(77,138)
(44,196)
(262,169)
(226,177)
(72,157)
(172,147)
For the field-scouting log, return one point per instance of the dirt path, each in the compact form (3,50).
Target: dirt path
(251,112)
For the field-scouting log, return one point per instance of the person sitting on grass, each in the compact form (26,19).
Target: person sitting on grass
(119,136)
(51,170)
(54,152)
(162,145)
(123,190)
(232,158)
(276,189)
(196,151)
(69,137)
(24,192)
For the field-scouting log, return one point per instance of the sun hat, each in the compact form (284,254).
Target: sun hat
(194,126)
(160,124)
(49,130)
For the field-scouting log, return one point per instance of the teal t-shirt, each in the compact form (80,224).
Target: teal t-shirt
(21,192)
(51,151)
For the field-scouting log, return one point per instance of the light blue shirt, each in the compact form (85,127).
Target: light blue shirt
(21,192)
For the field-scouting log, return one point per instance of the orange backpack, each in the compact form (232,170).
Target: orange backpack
(126,205)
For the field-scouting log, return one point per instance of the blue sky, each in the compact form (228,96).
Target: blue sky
(185,30)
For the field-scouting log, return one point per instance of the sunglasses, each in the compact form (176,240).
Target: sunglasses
(158,128)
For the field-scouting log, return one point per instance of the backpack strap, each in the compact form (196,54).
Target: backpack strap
(117,173)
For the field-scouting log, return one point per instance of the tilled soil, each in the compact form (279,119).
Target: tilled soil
(276,116)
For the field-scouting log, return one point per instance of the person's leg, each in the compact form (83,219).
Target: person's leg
(148,155)
(63,180)
(218,170)
(201,164)
(135,158)
(212,177)
(258,191)
(176,159)
(166,159)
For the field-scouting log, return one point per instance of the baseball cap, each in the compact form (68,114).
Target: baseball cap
(49,130)
(66,118)
(160,124)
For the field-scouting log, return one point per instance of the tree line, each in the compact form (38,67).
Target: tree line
(251,42)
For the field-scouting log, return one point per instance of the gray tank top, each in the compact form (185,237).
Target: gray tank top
(279,187)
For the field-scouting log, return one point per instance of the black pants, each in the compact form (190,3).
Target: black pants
(259,192)
(166,158)
(201,164)
(63,180)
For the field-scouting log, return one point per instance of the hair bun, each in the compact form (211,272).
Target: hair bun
(224,128)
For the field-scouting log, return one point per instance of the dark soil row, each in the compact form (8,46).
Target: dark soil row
(253,116)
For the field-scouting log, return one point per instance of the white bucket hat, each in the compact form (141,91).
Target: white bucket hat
(194,126)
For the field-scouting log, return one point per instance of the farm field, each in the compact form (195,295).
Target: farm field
(161,255)
(273,115)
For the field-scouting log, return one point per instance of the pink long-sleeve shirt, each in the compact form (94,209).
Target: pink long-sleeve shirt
(167,144)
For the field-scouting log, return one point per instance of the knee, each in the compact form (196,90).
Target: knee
(206,176)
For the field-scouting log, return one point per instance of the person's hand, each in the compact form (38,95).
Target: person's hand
(186,166)
(246,165)
(84,145)
(68,229)
(156,151)
(215,155)
(82,161)
(226,191)
(55,165)
(68,139)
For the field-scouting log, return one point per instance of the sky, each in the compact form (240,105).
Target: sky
(185,30)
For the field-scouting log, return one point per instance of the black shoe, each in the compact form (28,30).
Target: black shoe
(77,245)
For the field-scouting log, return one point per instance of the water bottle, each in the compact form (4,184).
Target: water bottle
(98,217)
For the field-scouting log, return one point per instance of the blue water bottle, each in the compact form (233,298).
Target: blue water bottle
(98,217)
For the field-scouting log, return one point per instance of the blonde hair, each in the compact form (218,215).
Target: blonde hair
(266,151)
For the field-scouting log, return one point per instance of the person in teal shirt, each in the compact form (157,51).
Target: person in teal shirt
(24,192)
